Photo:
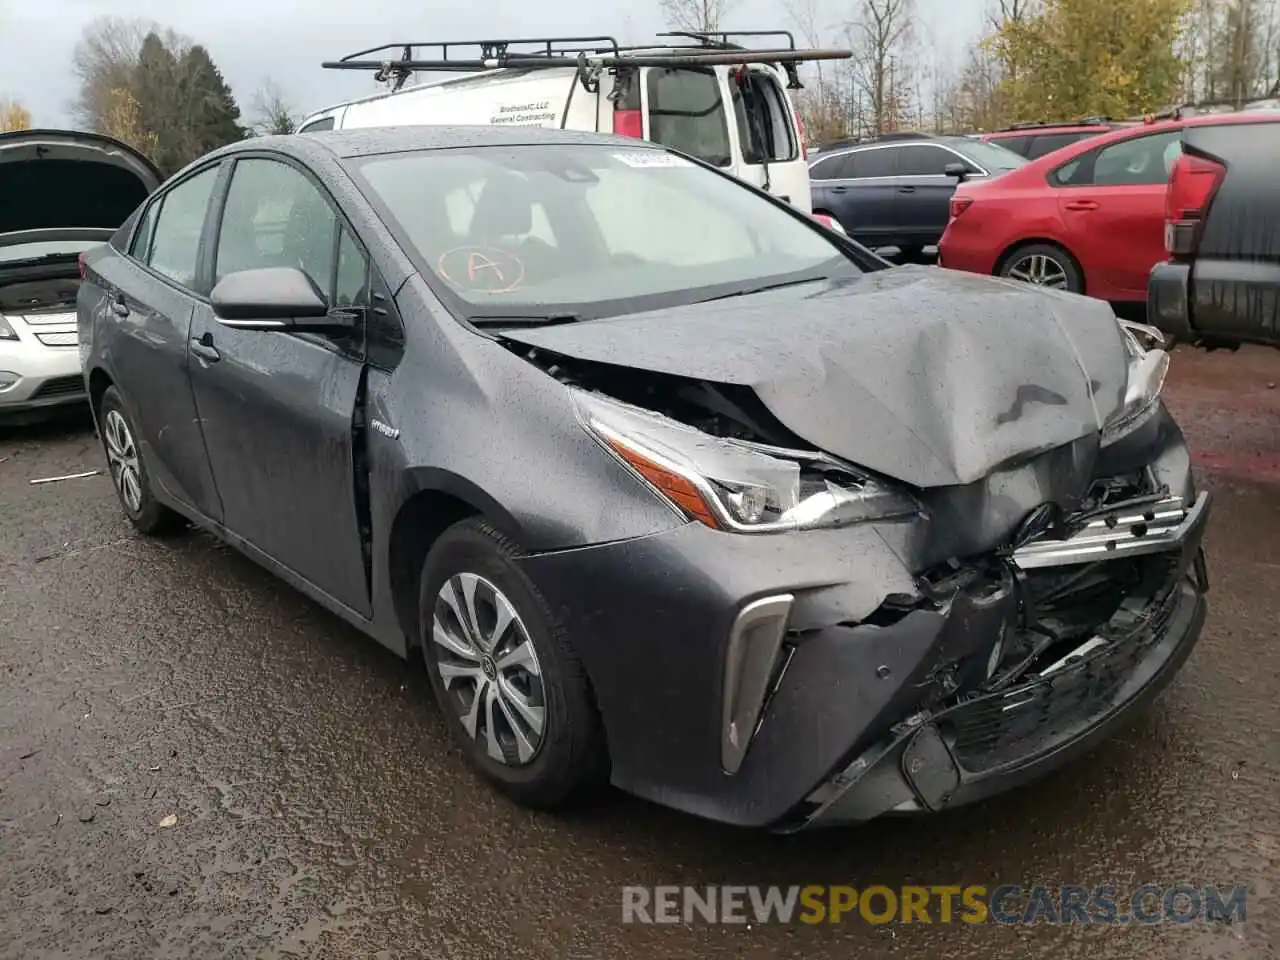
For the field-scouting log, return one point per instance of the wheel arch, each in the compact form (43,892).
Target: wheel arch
(99,383)
(438,501)
(1007,254)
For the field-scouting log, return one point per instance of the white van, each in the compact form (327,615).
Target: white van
(710,98)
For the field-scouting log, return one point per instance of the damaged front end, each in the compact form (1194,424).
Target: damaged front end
(1018,620)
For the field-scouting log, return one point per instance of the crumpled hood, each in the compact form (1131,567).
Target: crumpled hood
(930,376)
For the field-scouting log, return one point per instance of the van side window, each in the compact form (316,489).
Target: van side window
(687,113)
(764,119)
(324,123)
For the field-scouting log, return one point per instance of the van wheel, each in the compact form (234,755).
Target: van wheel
(514,693)
(128,471)
(1043,265)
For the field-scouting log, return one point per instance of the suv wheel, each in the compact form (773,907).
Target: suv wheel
(513,692)
(128,472)
(1043,265)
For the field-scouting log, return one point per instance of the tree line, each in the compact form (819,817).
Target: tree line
(1030,60)
(160,92)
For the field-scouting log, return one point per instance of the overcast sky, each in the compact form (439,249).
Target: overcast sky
(285,40)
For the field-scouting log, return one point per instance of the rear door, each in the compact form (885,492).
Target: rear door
(150,296)
(1112,206)
(858,188)
(684,108)
(922,196)
(769,154)
(278,408)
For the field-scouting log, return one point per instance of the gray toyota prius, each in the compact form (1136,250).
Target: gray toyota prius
(668,485)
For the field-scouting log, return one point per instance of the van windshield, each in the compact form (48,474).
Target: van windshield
(597,229)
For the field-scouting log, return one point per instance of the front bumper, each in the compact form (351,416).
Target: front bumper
(657,626)
(34,376)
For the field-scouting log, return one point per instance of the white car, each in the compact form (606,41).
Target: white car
(701,94)
(61,193)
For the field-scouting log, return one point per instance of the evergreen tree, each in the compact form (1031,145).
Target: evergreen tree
(155,91)
(212,113)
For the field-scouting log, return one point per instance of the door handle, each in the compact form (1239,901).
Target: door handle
(839,189)
(203,348)
(119,307)
(1082,204)
(906,189)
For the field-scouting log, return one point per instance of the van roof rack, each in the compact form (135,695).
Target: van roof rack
(590,55)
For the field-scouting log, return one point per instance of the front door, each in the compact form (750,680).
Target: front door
(922,196)
(769,153)
(277,408)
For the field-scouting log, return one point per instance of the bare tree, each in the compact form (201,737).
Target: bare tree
(821,103)
(272,113)
(881,40)
(696,16)
(105,61)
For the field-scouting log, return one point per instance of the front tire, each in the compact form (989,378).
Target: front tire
(1043,265)
(513,691)
(128,471)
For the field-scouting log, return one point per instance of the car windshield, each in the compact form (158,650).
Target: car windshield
(990,156)
(598,229)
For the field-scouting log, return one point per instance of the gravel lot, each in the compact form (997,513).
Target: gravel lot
(321,813)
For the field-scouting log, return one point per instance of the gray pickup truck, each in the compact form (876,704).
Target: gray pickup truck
(1221,284)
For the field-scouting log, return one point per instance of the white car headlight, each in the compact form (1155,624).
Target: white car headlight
(1147,369)
(6,331)
(732,484)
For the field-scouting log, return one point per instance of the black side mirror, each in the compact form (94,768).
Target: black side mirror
(275,298)
(957,170)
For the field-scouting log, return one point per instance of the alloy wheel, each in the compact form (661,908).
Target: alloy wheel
(489,668)
(122,456)
(1039,269)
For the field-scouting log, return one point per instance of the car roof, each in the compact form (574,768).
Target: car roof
(1051,128)
(369,141)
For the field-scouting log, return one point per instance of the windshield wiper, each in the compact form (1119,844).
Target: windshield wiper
(530,320)
(768,286)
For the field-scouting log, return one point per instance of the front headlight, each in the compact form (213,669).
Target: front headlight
(1147,369)
(6,331)
(732,484)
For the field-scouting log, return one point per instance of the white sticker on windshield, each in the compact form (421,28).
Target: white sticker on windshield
(651,158)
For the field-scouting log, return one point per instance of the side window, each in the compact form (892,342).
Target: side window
(828,168)
(687,113)
(924,161)
(276,217)
(140,249)
(1019,145)
(764,119)
(1139,160)
(876,162)
(1049,142)
(325,123)
(175,242)
(351,278)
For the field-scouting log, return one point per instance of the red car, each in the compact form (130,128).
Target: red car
(1034,140)
(1088,218)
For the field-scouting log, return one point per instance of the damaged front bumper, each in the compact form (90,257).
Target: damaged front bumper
(987,743)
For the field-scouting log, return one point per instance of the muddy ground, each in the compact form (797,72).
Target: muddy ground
(320,811)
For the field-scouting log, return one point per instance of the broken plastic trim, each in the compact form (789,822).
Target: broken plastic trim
(751,656)
(1124,532)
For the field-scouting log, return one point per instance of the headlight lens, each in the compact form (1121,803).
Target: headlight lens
(734,485)
(6,331)
(1147,370)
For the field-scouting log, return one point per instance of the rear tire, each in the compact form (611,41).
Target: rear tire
(512,689)
(129,471)
(910,254)
(1043,265)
